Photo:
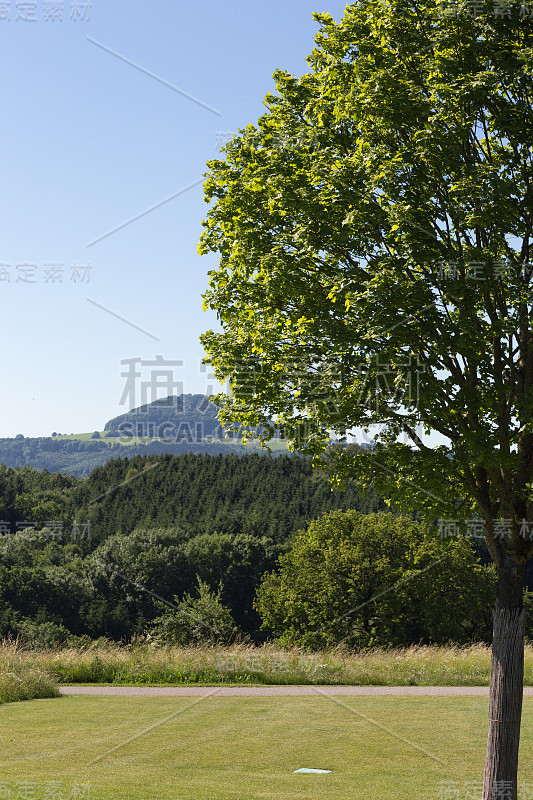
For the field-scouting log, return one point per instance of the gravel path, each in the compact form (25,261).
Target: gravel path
(278,691)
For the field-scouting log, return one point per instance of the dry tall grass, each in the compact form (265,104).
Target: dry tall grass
(143,662)
(21,678)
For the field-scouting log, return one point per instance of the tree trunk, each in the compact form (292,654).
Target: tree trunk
(506,686)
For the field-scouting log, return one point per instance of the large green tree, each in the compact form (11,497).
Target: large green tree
(374,232)
(368,580)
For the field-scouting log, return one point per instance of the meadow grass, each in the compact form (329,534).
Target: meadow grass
(247,748)
(21,679)
(143,662)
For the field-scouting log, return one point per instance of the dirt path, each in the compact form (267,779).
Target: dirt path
(278,691)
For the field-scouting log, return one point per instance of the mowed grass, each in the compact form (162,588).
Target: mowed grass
(144,663)
(246,748)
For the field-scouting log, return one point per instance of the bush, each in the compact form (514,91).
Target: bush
(199,620)
(42,635)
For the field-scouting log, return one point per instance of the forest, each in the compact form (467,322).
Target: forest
(161,521)
(231,539)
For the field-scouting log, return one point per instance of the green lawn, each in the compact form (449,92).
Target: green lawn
(377,748)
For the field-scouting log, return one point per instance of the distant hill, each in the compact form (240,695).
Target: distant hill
(174,425)
(177,417)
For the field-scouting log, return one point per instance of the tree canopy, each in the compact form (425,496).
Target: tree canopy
(374,236)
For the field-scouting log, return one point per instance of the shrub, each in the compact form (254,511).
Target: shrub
(199,620)
(43,635)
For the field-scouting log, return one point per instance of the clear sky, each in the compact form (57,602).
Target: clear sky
(109,109)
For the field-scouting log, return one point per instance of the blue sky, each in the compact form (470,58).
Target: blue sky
(91,142)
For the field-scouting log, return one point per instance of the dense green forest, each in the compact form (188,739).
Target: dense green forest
(72,549)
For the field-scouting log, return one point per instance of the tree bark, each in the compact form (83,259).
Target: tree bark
(506,687)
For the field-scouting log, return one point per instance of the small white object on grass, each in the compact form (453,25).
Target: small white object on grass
(305,769)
